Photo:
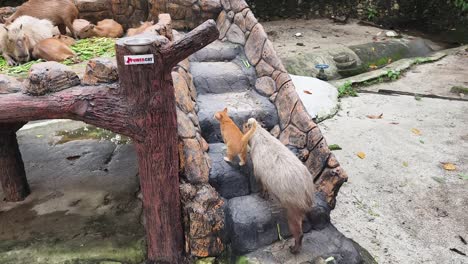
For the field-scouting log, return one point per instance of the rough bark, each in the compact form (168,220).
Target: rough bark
(12,175)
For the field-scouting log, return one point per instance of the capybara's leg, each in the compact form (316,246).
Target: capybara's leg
(62,28)
(69,25)
(295,217)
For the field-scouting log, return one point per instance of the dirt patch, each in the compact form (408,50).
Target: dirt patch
(319,34)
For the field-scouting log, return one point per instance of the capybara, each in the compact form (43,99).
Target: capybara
(65,39)
(79,24)
(23,35)
(105,28)
(284,176)
(140,29)
(61,13)
(52,49)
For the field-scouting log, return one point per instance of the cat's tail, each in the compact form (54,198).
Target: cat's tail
(247,136)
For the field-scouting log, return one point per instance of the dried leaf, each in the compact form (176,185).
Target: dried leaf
(375,116)
(448,166)
(361,154)
(373,66)
(334,147)
(421,141)
(405,163)
(39,136)
(307,92)
(416,131)
(394,123)
(389,60)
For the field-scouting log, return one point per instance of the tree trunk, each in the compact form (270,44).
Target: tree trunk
(12,176)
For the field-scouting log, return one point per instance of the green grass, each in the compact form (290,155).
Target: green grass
(85,49)
(459,89)
(346,89)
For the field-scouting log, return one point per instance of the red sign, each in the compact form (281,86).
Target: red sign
(139,59)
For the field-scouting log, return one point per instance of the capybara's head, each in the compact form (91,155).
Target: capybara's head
(221,115)
(65,39)
(87,32)
(19,43)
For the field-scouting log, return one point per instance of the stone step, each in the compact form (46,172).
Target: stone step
(241,106)
(252,222)
(222,77)
(217,51)
(229,179)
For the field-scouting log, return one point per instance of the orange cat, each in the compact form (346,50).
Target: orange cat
(236,142)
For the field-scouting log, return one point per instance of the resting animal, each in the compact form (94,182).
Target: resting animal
(140,29)
(79,24)
(284,176)
(52,49)
(61,13)
(236,142)
(65,39)
(105,28)
(22,36)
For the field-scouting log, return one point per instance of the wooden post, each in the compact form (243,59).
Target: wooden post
(12,176)
(150,89)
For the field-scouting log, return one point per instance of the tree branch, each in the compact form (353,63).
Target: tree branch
(192,42)
(97,105)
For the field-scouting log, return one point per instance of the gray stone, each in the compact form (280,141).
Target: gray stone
(265,86)
(254,44)
(241,107)
(185,126)
(229,179)
(9,84)
(327,242)
(100,70)
(252,223)
(322,102)
(217,51)
(238,5)
(211,6)
(220,77)
(49,77)
(239,20)
(235,35)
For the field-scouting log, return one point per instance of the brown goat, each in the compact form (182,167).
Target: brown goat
(52,49)
(105,28)
(61,13)
(140,29)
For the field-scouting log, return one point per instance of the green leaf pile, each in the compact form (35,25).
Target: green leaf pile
(85,49)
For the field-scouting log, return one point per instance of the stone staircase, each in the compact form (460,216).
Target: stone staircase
(222,79)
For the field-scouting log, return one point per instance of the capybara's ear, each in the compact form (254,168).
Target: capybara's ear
(218,116)
(225,110)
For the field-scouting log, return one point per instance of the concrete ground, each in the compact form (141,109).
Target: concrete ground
(83,207)
(399,202)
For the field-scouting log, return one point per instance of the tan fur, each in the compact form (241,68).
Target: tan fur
(65,39)
(106,28)
(79,24)
(140,29)
(284,176)
(23,35)
(235,141)
(52,49)
(61,13)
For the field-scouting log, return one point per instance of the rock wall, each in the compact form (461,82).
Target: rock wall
(185,14)
(203,208)
(237,24)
